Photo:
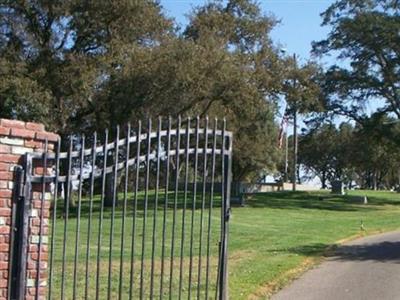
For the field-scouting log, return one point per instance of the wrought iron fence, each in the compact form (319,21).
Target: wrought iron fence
(139,217)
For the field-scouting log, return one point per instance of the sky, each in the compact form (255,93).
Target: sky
(299,26)
(300,21)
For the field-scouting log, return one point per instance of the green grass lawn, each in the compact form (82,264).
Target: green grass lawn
(272,239)
(151,261)
(279,234)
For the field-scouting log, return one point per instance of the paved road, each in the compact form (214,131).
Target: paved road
(365,269)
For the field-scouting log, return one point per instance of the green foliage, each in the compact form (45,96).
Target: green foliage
(366,154)
(55,55)
(325,152)
(301,87)
(376,159)
(83,66)
(365,37)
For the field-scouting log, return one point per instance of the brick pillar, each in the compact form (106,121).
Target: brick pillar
(16,139)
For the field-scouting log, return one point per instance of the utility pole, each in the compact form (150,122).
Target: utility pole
(295,140)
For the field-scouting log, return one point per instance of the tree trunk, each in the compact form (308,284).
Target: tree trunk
(323,180)
(109,190)
(375,181)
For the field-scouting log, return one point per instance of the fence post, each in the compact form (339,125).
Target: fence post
(16,139)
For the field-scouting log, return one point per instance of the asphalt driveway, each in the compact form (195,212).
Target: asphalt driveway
(367,269)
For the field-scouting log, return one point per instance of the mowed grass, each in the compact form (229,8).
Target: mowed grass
(278,235)
(271,240)
(108,275)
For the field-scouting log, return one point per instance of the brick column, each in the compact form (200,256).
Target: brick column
(16,139)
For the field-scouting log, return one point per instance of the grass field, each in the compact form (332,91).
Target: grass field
(110,265)
(272,239)
(278,235)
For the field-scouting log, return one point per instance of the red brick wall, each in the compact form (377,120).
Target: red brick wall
(16,139)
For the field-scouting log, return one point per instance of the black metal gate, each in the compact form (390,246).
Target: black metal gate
(139,217)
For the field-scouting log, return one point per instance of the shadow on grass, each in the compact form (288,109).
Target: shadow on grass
(315,249)
(305,200)
(380,252)
(277,200)
(169,203)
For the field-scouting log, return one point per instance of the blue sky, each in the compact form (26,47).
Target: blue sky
(300,25)
(300,20)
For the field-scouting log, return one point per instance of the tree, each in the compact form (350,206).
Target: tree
(302,94)
(83,66)
(375,158)
(360,153)
(325,151)
(365,37)
(223,65)
(56,55)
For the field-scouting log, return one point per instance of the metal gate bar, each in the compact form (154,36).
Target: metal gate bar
(169,188)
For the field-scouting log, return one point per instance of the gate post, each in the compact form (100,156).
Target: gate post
(16,139)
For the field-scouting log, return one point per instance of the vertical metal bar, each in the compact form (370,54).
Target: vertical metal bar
(203,200)
(154,240)
(78,218)
(114,199)
(146,200)
(99,237)
(133,242)
(16,239)
(227,213)
(167,160)
(220,281)
(196,160)
(224,220)
(42,203)
(185,196)
(23,225)
(66,215)
(92,177)
(213,155)
(176,195)
(53,224)
(121,263)
(23,231)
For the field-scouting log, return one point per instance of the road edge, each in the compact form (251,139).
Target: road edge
(270,288)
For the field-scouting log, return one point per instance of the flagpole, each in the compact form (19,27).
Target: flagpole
(285,179)
(295,138)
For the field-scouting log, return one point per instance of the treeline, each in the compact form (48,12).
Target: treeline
(364,37)
(80,66)
(363,156)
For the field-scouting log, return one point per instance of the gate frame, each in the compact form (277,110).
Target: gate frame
(23,200)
